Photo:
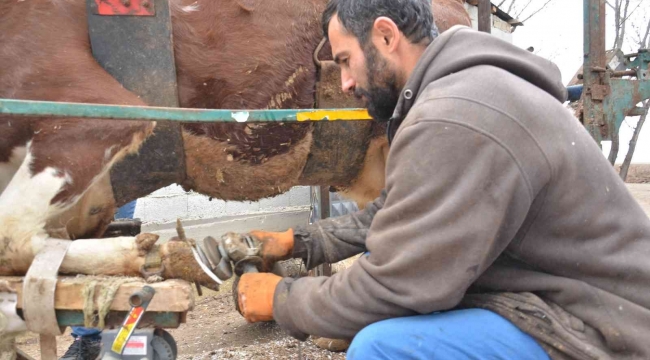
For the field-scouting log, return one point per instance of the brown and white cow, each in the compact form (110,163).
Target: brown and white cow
(229,54)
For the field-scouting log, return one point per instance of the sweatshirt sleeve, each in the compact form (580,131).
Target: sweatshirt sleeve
(455,199)
(338,238)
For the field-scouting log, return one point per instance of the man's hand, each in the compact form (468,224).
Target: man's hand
(276,246)
(264,249)
(254,296)
(273,247)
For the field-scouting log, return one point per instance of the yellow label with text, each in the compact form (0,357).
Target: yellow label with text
(126,330)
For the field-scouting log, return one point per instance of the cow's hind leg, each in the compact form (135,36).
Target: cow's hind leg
(9,167)
(27,204)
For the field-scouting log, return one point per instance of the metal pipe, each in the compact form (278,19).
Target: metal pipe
(623,73)
(121,112)
(637,111)
(142,296)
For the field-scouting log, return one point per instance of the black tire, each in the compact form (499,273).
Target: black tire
(164,346)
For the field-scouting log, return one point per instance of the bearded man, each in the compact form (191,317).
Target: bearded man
(502,232)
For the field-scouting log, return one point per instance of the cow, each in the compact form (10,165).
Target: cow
(229,54)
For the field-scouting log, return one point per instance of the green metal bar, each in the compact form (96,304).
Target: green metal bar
(641,60)
(121,112)
(625,94)
(168,320)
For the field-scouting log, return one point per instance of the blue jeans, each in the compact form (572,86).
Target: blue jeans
(80,331)
(457,335)
(125,212)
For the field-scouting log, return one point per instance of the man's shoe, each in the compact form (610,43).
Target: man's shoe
(334,345)
(83,348)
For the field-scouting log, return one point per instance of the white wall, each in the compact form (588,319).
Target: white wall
(173,202)
(203,217)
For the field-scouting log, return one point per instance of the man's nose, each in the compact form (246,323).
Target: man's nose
(347,82)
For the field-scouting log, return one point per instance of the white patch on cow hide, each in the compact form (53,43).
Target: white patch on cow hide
(191,8)
(8,169)
(25,203)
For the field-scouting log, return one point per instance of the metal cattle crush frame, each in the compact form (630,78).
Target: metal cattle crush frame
(607,98)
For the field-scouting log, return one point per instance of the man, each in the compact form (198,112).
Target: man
(502,232)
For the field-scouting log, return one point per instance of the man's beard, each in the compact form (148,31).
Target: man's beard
(383,91)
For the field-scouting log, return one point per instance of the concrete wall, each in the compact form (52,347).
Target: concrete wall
(173,202)
(202,217)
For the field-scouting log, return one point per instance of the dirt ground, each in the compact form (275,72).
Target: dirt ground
(215,330)
(637,173)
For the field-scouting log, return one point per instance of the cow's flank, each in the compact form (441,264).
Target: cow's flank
(234,54)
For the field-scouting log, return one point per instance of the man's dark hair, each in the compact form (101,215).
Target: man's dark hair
(413,17)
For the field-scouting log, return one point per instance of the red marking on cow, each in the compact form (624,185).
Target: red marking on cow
(125,7)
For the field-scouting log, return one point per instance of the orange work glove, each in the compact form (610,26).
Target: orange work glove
(255,296)
(275,245)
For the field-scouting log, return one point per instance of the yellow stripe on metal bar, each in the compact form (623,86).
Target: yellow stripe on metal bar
(332,115)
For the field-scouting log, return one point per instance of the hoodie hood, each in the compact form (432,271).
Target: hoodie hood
(461,48)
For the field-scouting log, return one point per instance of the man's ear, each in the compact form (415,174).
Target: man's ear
(385,34)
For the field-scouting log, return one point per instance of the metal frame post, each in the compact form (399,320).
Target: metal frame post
(320,202)
(594,70)
(326,268)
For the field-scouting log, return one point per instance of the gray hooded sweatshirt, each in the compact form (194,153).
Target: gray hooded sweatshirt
(496,197)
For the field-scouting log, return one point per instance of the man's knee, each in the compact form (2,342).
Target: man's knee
(470,333)
(368,343)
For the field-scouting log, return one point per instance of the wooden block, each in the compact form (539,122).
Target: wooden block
(171,295)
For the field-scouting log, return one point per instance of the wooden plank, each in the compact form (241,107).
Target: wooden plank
(484,16)
(171,295)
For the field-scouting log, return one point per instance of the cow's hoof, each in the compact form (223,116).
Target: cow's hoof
(145,242)
(334,345)
(179,263)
